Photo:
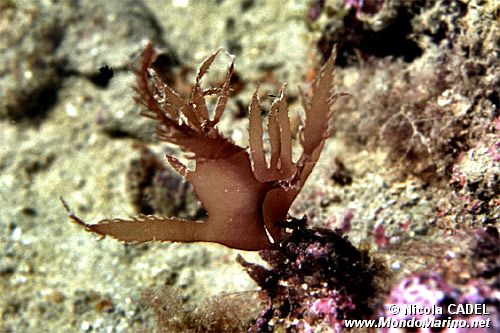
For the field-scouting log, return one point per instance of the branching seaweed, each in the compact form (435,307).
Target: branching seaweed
(246,197)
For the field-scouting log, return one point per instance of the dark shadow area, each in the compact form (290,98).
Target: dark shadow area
(102,77)
(35,106)
(356,40)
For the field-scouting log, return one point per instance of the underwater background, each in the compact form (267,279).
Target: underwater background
(410,176)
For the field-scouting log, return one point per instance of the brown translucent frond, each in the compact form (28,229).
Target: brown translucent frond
(198,95)
(180,168)
(246,198)
(256,142)
(222,98)
(281,167)
(147,228)
(273,127)
(286,166)
(193,132)
(319,111)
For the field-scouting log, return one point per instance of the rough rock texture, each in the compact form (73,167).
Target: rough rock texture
(29,68)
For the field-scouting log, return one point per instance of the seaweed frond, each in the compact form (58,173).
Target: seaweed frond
(246,197)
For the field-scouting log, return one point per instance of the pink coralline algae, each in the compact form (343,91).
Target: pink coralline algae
(369,7)
(380,237)
(343,223)
(429,297)
(427,290)
(317,278)
(332,309)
